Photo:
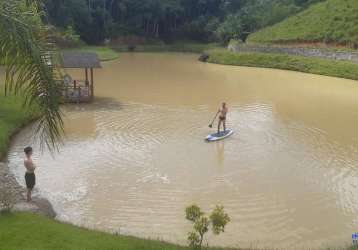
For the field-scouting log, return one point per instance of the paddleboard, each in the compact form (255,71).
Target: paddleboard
(219,136)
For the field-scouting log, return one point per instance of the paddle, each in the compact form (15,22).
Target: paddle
(211,124)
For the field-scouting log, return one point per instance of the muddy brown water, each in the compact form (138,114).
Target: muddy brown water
(135,158)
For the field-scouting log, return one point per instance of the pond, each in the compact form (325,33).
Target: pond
(136,157)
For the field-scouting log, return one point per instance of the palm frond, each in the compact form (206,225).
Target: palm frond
(30,64)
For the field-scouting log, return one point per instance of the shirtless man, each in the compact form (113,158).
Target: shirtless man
(222,116)
(30,178)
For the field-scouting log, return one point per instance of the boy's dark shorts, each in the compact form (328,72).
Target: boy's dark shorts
(30,180)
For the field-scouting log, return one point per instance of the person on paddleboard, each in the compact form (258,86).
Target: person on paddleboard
(222,116)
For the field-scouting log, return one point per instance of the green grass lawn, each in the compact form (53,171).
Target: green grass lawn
(104,53)
(180,46)
(330,21)
(13,116)
(288,62)
(29,231)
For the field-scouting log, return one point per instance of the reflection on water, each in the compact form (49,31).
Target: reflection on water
(220,149)
(135,158)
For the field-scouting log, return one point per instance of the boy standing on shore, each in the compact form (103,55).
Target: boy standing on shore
(30,178)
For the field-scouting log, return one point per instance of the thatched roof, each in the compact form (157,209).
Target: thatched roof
(80,60)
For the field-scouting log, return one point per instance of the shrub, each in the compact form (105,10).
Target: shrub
(201,223)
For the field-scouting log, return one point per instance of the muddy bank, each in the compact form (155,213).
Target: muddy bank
(16,194)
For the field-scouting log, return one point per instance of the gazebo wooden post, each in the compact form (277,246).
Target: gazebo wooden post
(87,87)
(92,88)
(86,71)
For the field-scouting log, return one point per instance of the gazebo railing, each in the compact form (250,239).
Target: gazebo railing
(78,91)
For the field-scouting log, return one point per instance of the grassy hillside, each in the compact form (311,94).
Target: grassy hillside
(331,21)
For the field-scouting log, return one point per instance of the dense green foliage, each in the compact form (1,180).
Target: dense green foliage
(28,231)
(280,61)
(332,21)
(65,38)
(168,20)
(13,115)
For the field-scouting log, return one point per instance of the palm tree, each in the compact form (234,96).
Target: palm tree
(30,68)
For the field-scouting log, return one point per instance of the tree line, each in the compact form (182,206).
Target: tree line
(169,20)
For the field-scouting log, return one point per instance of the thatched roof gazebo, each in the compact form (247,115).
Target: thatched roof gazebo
(79,90)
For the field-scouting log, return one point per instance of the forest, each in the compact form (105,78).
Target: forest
(96,21)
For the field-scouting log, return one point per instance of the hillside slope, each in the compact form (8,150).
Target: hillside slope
(331,21)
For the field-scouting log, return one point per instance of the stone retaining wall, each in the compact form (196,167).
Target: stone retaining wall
(298,51)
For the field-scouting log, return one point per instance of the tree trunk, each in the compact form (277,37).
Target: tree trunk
(153,28)
(104,15)
(111,7)
(146,26)
(157,30)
